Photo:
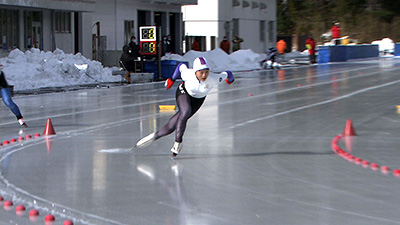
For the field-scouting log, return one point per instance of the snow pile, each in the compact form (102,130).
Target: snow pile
(219,61)
(35,69)
(385,45)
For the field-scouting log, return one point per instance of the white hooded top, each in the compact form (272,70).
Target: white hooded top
(196,88)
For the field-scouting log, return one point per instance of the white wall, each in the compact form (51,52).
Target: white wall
(208,19)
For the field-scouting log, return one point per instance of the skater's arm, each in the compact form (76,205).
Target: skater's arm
(178,71)
(176,75)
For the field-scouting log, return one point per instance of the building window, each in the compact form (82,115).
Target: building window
(235,26)
(213,42)
(8,29)
(129,31)
(62,22)
(263,6)
(33,35)
(246,4)
(254,5)
(262,30)
(271,31)
(235,3)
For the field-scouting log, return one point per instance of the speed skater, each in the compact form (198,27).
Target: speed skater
(6,96)
(190,95)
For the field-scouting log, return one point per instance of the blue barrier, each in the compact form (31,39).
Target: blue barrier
(397,49)
(167,68)
(340,53)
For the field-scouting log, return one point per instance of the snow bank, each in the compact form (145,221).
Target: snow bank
(35,69)
(385,45)
(219,61)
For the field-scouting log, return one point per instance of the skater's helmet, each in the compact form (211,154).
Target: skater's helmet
(200,63)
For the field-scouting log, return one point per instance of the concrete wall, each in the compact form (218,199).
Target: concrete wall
(112,23)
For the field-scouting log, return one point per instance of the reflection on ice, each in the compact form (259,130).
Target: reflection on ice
(115,150)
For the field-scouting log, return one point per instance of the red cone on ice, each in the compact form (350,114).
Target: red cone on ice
(348,129)
(49,129)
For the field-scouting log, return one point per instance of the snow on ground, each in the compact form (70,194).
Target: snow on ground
(385,45)
(37,69)
(219,60)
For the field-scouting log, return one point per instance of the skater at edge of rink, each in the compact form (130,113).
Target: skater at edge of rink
(190,95)
(6,96)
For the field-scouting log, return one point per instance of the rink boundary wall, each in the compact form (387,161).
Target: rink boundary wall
(341,53)
(397,49)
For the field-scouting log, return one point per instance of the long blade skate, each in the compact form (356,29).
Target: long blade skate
(145,141)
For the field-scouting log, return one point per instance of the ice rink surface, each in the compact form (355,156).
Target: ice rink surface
(258,152)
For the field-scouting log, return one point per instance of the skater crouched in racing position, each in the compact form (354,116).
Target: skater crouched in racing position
(272,59)
(190,95)
(6,96)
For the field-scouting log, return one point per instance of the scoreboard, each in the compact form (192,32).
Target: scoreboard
(148,40)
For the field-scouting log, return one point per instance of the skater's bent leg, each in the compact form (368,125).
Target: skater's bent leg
(167,128)
(6,95)
(185,112)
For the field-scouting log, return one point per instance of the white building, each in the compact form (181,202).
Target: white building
(99,28)
(95,28)
(46,24)
(210,20)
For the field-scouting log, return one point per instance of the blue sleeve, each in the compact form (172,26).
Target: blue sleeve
(177,72)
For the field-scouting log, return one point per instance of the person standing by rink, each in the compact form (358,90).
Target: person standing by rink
(225,45)
(236,43)
(6,96)
(310,45)
(336,33)
(190,95)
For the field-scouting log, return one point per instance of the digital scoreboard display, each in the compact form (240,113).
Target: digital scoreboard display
(148,40)
(147,33)
(148,47)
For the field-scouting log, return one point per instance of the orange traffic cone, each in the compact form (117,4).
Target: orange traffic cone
(348,129)
(49,129)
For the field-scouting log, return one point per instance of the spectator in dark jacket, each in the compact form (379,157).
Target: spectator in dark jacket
(128,58)
(135,48)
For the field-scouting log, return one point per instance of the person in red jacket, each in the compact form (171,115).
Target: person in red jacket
(310,44)
(281,46)
(225,45)
(336,33)
(196,44)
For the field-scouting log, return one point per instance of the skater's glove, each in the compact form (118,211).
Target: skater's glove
(168,83)
(229,79)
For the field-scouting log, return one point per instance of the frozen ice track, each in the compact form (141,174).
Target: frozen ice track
(246,160)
